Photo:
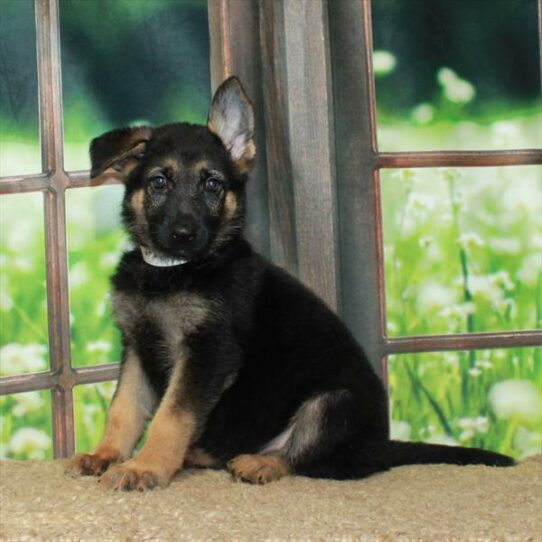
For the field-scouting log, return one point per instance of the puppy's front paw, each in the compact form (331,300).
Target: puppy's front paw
(89,464)
(130,475)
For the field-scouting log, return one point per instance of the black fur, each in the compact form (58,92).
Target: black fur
(267,345)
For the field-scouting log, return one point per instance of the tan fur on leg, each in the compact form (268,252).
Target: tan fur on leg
(162,455)
(131,407)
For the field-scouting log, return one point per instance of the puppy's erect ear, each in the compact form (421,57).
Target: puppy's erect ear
(231,118)
(116,153)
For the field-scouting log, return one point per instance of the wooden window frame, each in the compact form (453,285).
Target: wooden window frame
(319,170)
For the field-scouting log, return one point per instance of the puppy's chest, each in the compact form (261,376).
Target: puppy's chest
(162,322)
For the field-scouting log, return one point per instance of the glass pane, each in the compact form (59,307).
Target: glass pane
(131,62)
(23,294)
(95,244)
(487,398)
(457,75)
(25,426)
(91,403)
(19,120)
(463,249)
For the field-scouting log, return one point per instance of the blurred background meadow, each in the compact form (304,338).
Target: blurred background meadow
(463,247)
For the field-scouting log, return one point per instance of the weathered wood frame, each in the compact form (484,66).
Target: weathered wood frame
(307,64)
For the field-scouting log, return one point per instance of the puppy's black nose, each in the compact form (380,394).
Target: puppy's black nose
(183,232)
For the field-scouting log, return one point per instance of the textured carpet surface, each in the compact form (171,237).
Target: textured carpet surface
(409,503)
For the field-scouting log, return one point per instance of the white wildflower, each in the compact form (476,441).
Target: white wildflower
(392,327)
(27,402)
(470,240)
(109,260)
(18,358)
(535,242)
(505,245)
(420,203)
(432,295)
(460,91)
(530,268)
(100,308)
(516,399)
(79,275)
(446,76)
(6,301)
(506,133)
(483,364)
(475,372)
(21,237)
(451,359)
(458,311)
(423,113)
(507,307)
(502,279)
(470,426)
(29,443)
(500,354)
(384,62)
(405,177)
(455,89)
(528,442)
(426,240)
(89,414)
(400,430)
(491,287)
(450,174)
(23,263)
(102,347)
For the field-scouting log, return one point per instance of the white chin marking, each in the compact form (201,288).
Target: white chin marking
(156,260)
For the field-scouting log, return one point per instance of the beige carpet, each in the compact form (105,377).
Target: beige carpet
(410,503)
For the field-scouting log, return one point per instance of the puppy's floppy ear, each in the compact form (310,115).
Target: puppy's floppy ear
(231,118)
(117,152)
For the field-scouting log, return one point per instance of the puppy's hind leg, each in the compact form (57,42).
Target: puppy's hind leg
(325,439)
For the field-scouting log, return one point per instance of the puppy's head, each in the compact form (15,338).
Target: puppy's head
(185,183)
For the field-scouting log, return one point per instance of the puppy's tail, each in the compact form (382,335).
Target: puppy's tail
(410,453)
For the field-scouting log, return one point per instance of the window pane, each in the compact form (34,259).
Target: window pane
(457,75)
(23,297)
(487,398)
(19,122)
(95,244)
(131,62)
(463,249)
(91,403)
(25,426)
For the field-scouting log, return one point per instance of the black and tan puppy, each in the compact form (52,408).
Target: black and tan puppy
(237,363)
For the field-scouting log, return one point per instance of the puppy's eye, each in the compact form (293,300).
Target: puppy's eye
(159,182)
(212,185)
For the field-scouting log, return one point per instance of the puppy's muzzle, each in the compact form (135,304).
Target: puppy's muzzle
(183,233)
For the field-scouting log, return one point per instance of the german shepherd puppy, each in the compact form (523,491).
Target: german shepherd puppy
(237,363)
